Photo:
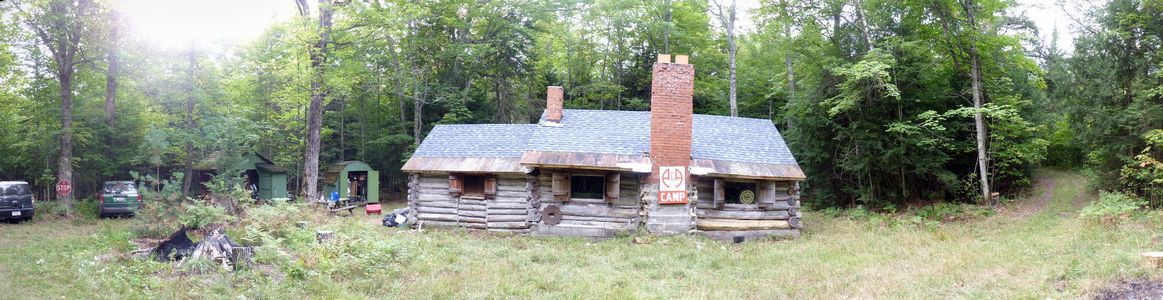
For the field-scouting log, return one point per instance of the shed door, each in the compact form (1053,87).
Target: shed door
(373,186)
(264,185)
(278,185)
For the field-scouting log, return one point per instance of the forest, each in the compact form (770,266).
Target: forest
(885,104)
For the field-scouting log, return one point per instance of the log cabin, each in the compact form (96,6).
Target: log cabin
(598,173)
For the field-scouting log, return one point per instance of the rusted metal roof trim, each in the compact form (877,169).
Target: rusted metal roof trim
(595,161)
(464,165)
(722,168)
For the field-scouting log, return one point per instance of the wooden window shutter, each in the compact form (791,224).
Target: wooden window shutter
(613,187)
(455,184)
(720,196)
(491,187)
(766,194)
(560,186)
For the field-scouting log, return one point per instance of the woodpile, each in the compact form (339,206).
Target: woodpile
(218,248)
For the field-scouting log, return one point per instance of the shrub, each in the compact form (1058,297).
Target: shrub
(277,220)
(87,209)
(201,214)
(1111,208)
(950,211)
(159,214)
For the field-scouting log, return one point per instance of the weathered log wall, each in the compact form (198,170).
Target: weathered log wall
(509,211)
(520,200)
(777,215)
(590,217)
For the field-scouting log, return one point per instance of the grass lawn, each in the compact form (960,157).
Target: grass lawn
(1036,248)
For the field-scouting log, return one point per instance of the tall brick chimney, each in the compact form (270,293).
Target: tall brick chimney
(671,106)
(553,103)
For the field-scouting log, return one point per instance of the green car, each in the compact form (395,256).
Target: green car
(120,198)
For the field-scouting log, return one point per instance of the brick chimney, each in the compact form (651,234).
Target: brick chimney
(553,103)
(671,106)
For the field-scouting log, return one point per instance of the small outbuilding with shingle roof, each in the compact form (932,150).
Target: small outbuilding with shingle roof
(597,172)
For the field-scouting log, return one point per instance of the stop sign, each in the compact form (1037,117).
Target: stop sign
(64,187)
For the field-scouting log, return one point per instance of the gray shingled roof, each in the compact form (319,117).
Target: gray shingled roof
(595,131)
(739,139)
(476,140)
(610,132)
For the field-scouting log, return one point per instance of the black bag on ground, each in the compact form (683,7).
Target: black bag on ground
(177,247)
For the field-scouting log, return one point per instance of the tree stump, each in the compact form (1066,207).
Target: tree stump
(324,235)
(1153,260)
(241,256)
(301,224)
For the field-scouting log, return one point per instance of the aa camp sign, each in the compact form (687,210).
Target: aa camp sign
(672,185)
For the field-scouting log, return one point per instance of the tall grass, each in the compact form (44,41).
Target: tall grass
(1051,254)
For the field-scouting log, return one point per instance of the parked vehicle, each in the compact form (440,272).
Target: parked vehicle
(120,198)
(16,201)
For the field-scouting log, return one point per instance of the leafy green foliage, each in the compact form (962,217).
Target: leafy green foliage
(1144,175)
(202,214)
(1112,208)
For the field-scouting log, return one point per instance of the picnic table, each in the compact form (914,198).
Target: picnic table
(343,204)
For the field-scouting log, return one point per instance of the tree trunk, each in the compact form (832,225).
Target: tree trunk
(62,36)
(65,163)
(731,50)
(111,74)
(188,180)
(727,19)
(399,86)
(864,32)
(978,118)
(417,109)
(318,53)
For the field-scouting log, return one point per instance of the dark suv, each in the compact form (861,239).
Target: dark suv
(120,198)
(16,201)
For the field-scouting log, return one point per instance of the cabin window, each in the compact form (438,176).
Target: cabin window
(587,187)
(474,187)
(741,192)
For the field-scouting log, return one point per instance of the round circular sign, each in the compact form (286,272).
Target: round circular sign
(747,197)
(64,187)
(672,177)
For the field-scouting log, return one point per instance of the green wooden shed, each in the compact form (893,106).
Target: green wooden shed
(339,177)
(271,180)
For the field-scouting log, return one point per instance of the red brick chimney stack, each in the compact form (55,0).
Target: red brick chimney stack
(553,103)
(671,107)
